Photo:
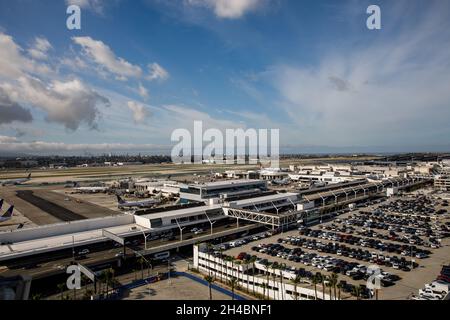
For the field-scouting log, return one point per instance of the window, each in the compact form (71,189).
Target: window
(155,223)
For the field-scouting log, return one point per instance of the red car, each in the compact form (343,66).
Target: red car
(241,256)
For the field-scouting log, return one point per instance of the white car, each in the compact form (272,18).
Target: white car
(199,231)
(438,287)
(83,252)
(430,293)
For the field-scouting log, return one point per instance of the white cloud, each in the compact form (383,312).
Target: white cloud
(101,54)
(143,92)
(11,111)
(12,62)
(390,92)
(13,144)
(40,48)
(70,103)
(176,116)
(94,5)
(140,111)
(229,9)
(156,72)
(7,140)
(26,82)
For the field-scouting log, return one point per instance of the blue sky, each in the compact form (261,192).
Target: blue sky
(139,69)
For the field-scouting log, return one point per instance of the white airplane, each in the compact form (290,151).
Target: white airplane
(122,204)
(89,189)
(7,215)
(15,182)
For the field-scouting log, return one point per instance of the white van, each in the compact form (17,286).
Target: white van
(438,287)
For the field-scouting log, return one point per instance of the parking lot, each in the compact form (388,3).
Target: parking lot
(405,237)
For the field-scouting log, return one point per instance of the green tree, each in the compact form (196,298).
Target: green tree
(61,287)
(296,281)
(316,280)
(263,285)
(334,278)
(253,260)
(329,285)
(232,283)
(339,287)
(210,281)
(141,261)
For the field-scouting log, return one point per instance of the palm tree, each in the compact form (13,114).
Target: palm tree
(315,280)
(339,286)
(84,280)
(61,287)
(141,262)
(333,282)
(100,278)
(323,278)
(266,267)
(106,279)
(103,278)
(280,268)
(109,279)
(112,273)
(274,279)
(221,264)
(253,260)
(295,281)
(246,263)
(210,280)
(263,285)
(208,251)
(232,283)
(329,285)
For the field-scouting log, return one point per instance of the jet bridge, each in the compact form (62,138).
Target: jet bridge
(275,220)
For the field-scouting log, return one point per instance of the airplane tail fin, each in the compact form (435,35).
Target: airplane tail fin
(9,213)
(1,203)
(119,199)
(29,176)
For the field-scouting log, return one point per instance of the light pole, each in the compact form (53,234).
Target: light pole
(73,248)
(149,265)
(356,193)
(181,230)
(145,238)
(210,222)
(335,197)
(293,204)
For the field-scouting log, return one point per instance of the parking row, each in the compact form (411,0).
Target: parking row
(353,270)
